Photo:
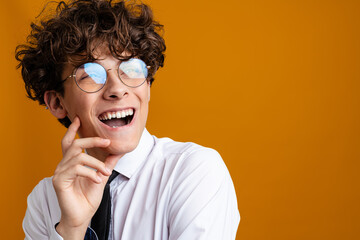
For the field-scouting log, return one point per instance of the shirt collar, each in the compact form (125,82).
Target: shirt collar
(130,162)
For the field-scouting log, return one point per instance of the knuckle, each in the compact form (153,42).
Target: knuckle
(75,159)
(77,168)
(65,142)
(76,142)
(82,156)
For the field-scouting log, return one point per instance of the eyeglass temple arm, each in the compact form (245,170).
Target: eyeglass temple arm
(72,75)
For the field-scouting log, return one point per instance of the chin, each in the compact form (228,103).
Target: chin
(121,148)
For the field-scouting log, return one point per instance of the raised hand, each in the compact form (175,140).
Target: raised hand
(79,188)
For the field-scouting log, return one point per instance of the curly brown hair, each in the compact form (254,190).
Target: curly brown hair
(75,30)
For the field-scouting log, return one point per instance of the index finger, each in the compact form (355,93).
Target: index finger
(70,134)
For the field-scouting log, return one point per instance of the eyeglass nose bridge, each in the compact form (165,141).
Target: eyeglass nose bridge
(117,74)
(108,87)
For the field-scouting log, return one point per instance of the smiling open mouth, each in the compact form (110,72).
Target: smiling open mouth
(117,119)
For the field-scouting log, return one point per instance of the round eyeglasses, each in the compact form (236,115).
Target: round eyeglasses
(91,77)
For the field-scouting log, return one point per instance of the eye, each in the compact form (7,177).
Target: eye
(133,69)
(123,74)
(83,77)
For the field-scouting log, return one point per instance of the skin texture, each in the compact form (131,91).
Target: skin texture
(79,189)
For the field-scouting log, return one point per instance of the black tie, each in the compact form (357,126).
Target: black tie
(100,222)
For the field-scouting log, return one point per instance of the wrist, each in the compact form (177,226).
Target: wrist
(71,232)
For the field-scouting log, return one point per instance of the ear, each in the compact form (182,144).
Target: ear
(53,101)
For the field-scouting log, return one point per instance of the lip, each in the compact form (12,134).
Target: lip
(122,127)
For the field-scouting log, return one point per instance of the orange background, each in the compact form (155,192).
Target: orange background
(272,85)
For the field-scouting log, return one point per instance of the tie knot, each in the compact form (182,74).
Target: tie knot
(112,176)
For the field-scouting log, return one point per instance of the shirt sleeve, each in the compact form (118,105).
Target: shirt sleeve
(37,223)
(203,202)
(43,214)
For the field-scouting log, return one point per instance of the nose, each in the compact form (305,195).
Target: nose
(114,88)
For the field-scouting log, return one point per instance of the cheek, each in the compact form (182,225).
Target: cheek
(78,105)
(73,110)
(142,94)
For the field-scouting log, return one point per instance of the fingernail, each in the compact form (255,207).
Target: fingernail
(108,170)
(106,140)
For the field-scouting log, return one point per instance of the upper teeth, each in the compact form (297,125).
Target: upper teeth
(118,114)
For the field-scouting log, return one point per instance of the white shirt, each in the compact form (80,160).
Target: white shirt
(165,190)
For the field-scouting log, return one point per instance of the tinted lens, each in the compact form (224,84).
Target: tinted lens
(133,72)
(90,77)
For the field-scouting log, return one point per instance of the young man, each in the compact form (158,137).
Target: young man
(92,65)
